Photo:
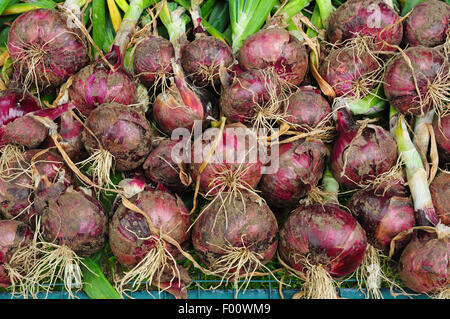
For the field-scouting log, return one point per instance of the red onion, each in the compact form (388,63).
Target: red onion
(249,94)
(122,131)
(372,18)
(14,104)
(182,105)
(427,24)
(318,238)
(152,59)
(430,72)
(275,48)
(441,127)
(238,239)
(231,168)
(361,153)
(440,195)
(384,212)
(301,165)
(307,108)
(424,266)
(13,235)
(133,243)
(160,166)
(44,49)
(77,220)
(202,58)
(349,72)
(96,84)
(25,190)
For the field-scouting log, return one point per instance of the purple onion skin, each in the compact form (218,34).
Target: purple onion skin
(427,24)
(122,131)
(158,170)
(307,107)
(253,225)
(399,86)
(64,47)
(372,18)
(441,129)
(238,101)
(167,213)
(440,195)
(424,266)
(24,131)
(206,52)
(152,58)
(14,104)
(330,236)
(383,212)
(275,47)
(228,144)
(76,220)
(301,166)
(18,194)
(96,84)
(343,68)
(373,153)
(13,235)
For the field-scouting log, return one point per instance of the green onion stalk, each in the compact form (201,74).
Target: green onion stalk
(373,103)
(19,8)
(126,29)
(174,19)
(415,171)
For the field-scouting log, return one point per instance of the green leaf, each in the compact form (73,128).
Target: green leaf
(409,5)
(96,286)
(3,5)
(219,17)
(207,7)
(4,36)
(98,23)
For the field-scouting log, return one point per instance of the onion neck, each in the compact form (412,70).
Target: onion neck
(345,122)
(415,172)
